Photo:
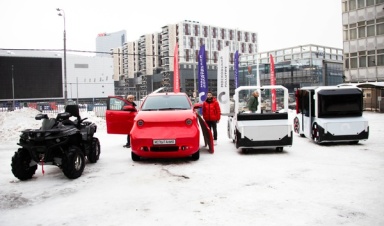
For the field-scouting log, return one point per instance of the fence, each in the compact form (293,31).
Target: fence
(98,109)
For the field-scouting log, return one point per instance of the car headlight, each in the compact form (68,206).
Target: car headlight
(140,123)
(188,122)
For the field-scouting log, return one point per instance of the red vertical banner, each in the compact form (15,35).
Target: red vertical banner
(273,82)
(176,76)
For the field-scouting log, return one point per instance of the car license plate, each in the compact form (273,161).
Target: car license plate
(161,142)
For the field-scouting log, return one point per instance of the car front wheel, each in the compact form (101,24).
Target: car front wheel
(135,157)
(196,156)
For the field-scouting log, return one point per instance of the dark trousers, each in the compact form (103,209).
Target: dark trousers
(212,126)
(128,140)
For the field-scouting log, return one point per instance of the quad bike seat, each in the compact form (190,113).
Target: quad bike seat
(74,111)
(48,123)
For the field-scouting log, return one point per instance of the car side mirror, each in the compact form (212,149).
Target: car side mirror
(129,108)
(197,105)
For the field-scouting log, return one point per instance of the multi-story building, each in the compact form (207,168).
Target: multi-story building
(363,38)
(148,62)
(30,76)
(107,41)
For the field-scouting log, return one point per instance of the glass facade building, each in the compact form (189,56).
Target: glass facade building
(307,65)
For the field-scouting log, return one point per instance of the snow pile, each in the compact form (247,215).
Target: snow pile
(12,123)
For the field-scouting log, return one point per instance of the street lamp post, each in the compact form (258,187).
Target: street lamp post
(13,91)
(62,13)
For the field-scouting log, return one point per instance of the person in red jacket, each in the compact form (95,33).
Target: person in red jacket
(212,114)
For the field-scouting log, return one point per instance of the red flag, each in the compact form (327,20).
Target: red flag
(176,76)
(273,82)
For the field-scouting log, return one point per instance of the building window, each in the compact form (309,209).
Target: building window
(345,34)
(362,61)
(296,50)
(360,3)
(379,1)
(353,33)
(346,63)
(380,26)
(361,29)
(380,60)
(370,30)
(352,4)
(370,2)
(371,61)
(380,57)
(353,62)
(345,6)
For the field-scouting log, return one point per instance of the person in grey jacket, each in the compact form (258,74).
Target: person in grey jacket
(253,102)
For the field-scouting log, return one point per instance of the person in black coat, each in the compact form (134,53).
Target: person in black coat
(130,99)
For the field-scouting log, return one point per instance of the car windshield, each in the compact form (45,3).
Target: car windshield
(166,102)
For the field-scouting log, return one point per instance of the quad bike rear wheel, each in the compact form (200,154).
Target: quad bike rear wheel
(73,163)
(21,167)
(94,153)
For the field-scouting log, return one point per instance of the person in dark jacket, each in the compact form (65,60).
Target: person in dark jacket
(212,114)
(253,102)
(130,99)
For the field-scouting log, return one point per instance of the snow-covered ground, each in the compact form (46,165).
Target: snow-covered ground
(306,184)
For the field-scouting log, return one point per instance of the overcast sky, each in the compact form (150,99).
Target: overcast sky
(279,23)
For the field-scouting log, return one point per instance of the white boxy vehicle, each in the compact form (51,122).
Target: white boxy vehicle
(330,114)
(262,129)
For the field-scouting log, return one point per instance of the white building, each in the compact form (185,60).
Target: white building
(363,35)
(88,77)
(107,41)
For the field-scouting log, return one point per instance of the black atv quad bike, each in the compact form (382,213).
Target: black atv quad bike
(60,141)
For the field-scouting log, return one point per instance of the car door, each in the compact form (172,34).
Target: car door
(118,121)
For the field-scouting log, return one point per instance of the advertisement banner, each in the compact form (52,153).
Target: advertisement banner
(176,76)
(273,82)
(202,75)
(236,68)
(223,80)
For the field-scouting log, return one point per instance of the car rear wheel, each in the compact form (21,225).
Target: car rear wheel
(296,125)
(315,133)
(279,149)
(245,150)
(135,157)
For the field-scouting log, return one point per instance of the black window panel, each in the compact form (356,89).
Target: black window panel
(340,103)
(34,77)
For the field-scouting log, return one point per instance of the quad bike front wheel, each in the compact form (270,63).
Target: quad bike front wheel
(73,163)
(21,167)
(94,153)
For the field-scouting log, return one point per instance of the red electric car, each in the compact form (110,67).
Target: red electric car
(165,126)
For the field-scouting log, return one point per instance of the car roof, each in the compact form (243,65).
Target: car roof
(167,93)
